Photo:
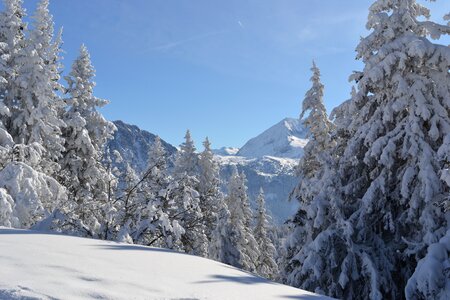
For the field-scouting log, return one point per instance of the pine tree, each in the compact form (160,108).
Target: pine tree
(29,67)
(313,171)
(36,119)
(314,113)
(430,279)
(187,199)
(320,128)
(209,188)
(12,41)
(266,265)
(187,160)
(241,249)
(378,197)
(152,213)
(85,136)
(220,247)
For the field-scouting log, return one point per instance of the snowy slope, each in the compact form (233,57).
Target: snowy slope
(285,139)
(48,266)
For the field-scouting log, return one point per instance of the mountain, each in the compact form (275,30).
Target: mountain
(268,160)
(285,139)
(133,145)
(275,175)
(38,265)
(226,151)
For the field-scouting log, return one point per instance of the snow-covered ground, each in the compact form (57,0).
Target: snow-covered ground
(36,265)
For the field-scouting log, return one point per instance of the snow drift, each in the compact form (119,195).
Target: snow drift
(36,265)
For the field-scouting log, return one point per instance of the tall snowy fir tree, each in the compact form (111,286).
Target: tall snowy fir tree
(12,35)
(383,213)
(315,118)
(240,249)
(149,212)
(220,247)
(27,87)
(312,169)
(127,204)
(12,41)
(184,192)
(209,188)
(38,104)
(266,266)
(85,134)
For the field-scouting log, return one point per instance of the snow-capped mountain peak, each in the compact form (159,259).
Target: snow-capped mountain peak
(285,139)
(226,151)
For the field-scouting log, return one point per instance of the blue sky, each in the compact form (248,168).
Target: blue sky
(224,69)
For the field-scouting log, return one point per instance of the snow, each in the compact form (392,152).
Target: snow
(226,151)
(276,175)
(37,265)
(133,145)
(285,139)
(274,171)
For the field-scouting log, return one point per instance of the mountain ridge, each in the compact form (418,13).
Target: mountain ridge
(285,139)
(275,174)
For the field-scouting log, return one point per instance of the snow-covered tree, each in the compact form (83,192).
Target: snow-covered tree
(377,201)
(445,176)
(30,136)
(266,265)
(431,276)
(313,169)
(314,113)
(315,118)
(220,247)
(130,206)
(149,211)
(31,195)
(85,135)
(6,210)
(12,41)
(36,118)
(83,102)
(187,159)
(187,199)
(241,249)
(209,188)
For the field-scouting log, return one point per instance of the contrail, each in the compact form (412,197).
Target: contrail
(175,44)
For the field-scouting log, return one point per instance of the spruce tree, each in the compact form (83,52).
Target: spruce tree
(241,248)
(36,118)
(30,141)
(12,41)
(220,247)
(184,191)
(209,188)
(379,197)
(86,134)
(152,212)
(266,266)
(312,170)
(315,118)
